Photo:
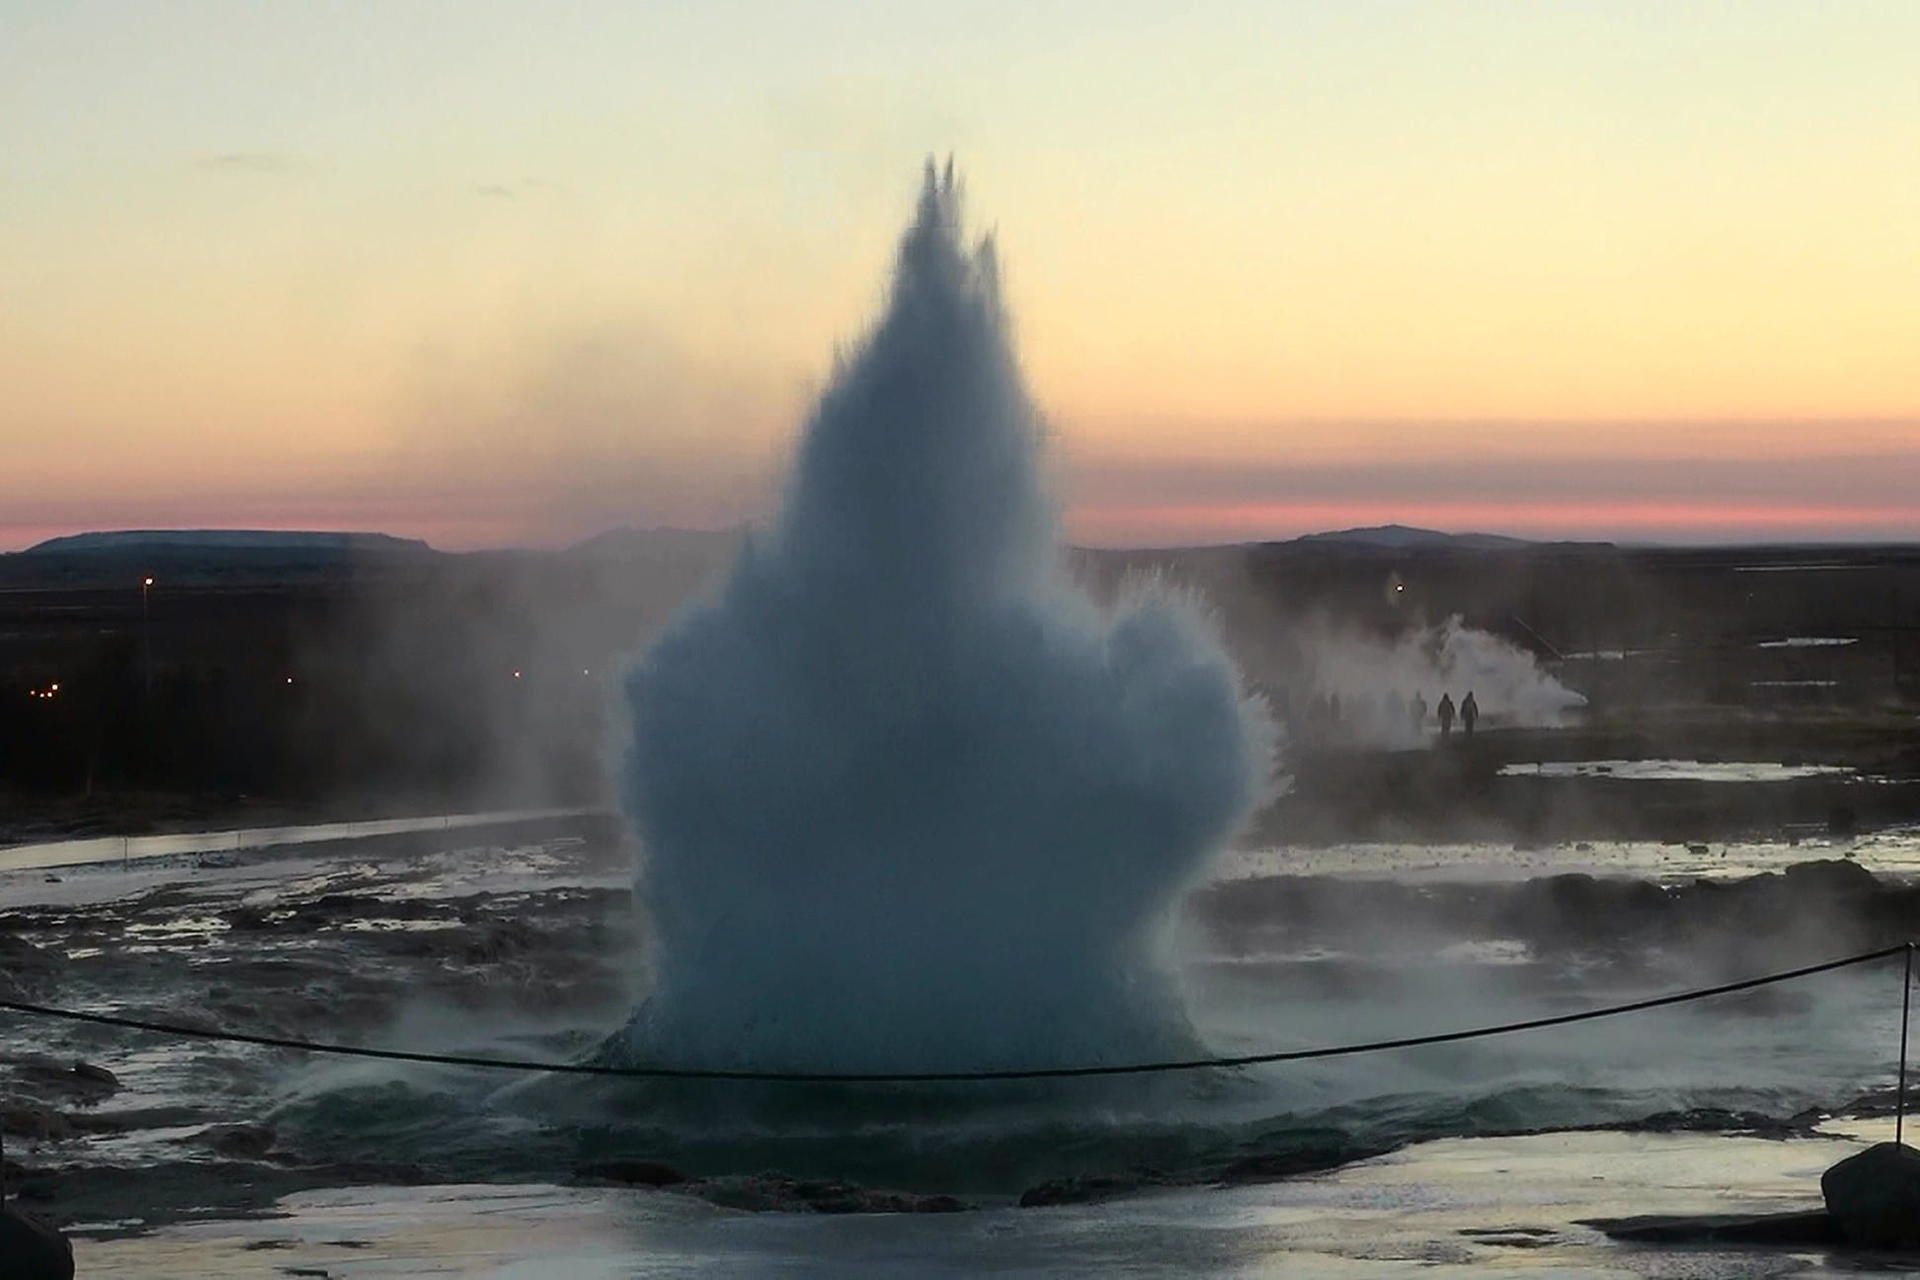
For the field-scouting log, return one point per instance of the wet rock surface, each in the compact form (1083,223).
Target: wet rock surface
(1814,910)
(771,1193)
(530,953)
(337,949)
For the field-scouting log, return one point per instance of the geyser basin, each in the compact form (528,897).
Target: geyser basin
(907,798)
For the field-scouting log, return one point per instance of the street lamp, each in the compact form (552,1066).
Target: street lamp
(146,637)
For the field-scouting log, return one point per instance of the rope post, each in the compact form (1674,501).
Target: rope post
(1906,1005)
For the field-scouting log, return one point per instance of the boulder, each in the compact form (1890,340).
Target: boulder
(1874,1197)
(32,1250)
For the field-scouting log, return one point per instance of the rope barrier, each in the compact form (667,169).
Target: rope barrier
(955,1077)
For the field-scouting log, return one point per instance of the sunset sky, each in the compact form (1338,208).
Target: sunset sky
(492,273)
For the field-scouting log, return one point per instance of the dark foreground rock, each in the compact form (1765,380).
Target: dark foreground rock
(1874,1197)
(32,1250)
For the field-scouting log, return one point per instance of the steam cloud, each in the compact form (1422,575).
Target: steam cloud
(1375,677)
(907,798)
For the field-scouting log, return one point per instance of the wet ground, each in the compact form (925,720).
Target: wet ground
(1520,1207)
(506,942)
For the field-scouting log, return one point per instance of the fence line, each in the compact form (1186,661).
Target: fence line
(1904,949)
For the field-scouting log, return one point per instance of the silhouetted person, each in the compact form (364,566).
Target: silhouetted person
(1469,712)
(1445,712)
(1417,709)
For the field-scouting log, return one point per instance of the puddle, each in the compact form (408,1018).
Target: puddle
(66,853)
(1676,770)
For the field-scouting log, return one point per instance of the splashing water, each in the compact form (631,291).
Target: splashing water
(907,798)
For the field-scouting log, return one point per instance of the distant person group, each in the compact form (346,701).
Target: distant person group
(1325,716)
(1469,714)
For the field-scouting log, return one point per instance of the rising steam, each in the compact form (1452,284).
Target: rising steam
(1376,677)
(908,799)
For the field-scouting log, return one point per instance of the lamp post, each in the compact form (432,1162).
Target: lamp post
(146,637)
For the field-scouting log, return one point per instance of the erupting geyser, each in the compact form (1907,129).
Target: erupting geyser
(908,799)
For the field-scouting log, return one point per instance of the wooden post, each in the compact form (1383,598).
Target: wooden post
(1906,1002)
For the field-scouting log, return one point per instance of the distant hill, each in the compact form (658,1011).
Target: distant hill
(254,557)
(190,540)
(1399,537)
(210,557)
(627,542)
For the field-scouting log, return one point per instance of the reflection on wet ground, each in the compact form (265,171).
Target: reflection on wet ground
(126,849)
(1511,1206)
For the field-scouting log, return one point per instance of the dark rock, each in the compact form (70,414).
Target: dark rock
(249,920)
(1720,1120)
(97,1076)
(77,1079)
(40,1124)
(32,1250)
(501,940)
(237,1141)
(1874,1197)
(17,952)
(1814,1227)
(1510,1237)
(1272,1166)
(771,1193)
(634,1173)
(1083,1190)
(941,1204)
(1832,876)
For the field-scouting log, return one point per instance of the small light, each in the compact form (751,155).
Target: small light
(146,582)
(516,673)
(289,679)
(55,686)
(585,672)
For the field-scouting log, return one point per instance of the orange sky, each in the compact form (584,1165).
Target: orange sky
(488,273)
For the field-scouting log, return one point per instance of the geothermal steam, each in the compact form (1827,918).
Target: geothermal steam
(907,798)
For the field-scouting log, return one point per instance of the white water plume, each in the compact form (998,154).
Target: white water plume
(907,798)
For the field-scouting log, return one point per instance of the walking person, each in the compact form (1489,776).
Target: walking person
(1445,712)
(1469,712)
(1417,709)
